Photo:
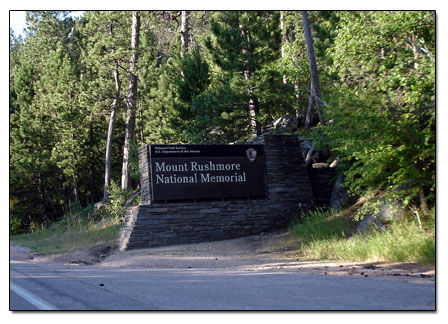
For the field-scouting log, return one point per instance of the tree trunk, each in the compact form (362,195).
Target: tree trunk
(415,50)
(309,112)
(254,109)
(184,32)
(92,165)
(299,111)
(110,132)
(285,79)
(315,100)
(142,136)
(42,198)
(131,103)
(75,179)
(67,200)
(282,27)
(76,190)
(424,204)
(254,106)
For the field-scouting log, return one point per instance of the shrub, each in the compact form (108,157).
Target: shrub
(117,198)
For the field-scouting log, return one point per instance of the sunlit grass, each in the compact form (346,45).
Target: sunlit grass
(326,236)
(69,235)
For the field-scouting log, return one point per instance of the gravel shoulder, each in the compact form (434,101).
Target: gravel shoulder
(267,252)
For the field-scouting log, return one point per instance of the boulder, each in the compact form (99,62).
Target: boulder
(305,145)
(308,150)
(389,211)
(103,222)
(339,194)
(100,204)
(368,222)
(131,199)
(285,123)
(310,153)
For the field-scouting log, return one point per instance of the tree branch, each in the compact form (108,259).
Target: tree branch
(421,49)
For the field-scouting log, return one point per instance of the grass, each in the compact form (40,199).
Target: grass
(320,235)
(324,235)
(69,234)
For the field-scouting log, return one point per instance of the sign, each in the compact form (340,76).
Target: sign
(206,171)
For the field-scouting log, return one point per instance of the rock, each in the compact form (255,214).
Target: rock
(100,204)
(305,145)
(285,124)
(131,199)
(334,163)
(103,222)
(389,211)
(310,154)
(368,222)
(338,194)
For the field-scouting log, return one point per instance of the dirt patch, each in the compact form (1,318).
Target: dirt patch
(266,252)
(90,256)
(20,253)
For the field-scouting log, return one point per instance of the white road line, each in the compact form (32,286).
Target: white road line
(31,298)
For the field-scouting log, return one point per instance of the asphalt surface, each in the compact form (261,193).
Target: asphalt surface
(72,287)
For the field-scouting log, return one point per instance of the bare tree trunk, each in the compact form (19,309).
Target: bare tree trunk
(76,190)
(67,200)
(75,179)
(131,104)
(110,132)
(282,26)
(184,32)
(299,111)
(254,109)
(415,50)
(424,204)
(315,99)
(285,79)
(254,105)
(42,198)
(92,164)
(142,137)
(309,112)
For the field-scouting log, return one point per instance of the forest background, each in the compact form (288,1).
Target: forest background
(85,92)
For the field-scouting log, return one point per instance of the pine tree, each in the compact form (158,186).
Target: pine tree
(32,137)
(106,48)
(245,42)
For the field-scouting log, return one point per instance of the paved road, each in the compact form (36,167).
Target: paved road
(70,287)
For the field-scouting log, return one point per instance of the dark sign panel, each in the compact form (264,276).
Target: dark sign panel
(206,171)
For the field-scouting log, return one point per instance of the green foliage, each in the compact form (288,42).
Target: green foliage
(194,107)
(15,225)
(383,117)
(245,46)
(117,199)
(376,70)
(133,161)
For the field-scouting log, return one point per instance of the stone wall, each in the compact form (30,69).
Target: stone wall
(145,178)
(288,192)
